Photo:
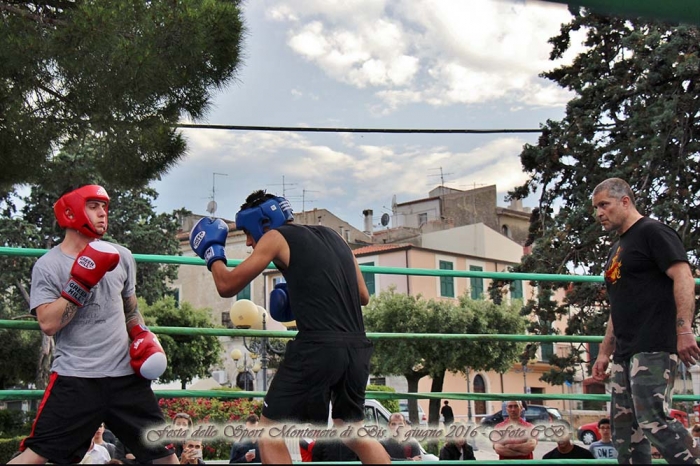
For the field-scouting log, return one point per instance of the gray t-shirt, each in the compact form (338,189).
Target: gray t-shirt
(603,450)
(95,343)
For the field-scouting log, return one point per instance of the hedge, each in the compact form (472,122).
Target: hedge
(8,447)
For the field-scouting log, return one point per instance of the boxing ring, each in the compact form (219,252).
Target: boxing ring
(288,334)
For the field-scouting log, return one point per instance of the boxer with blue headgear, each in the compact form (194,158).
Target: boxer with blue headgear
(272,213)
(323,284)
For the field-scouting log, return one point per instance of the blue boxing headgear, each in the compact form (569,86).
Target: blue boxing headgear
(271,214)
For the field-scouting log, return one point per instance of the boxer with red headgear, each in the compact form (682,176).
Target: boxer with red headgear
(71,209)
(83,293)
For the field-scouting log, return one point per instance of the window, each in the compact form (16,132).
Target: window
(226,319)
(244,293)
(516,289)
(506,231)
(175,293)
(422,219)
(547,351)
(369,279)
(477,284)
(479,387)
(447,284)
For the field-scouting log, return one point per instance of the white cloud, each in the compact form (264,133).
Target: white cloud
(441,52)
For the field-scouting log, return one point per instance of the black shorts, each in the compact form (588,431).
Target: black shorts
(73,408)
(318,368)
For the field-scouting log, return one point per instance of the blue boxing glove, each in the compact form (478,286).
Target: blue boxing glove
(280,310)
(208,238)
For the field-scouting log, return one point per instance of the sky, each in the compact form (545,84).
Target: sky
(373,64)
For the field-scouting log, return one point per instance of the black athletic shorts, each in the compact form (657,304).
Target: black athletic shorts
(320,367)
(73,408)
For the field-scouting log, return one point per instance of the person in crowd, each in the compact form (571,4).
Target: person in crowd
(83,293)
(98,438)
(604,448)
(192,451)
(396,445)
(519,447)
(651,290)
(457,450)
(247,450)
(447,413)
(324,291)
(182,421)
(96,454)
(566,450)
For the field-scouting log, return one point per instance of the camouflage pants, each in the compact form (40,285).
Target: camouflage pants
(641,393)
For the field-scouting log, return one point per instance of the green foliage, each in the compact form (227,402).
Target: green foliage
(122,72)
(415,358)
(188,356)
(391,405)
(14,422)
(215,410)
(633,116)
(8,447)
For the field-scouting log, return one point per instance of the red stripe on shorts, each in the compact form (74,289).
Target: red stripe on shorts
(47,393)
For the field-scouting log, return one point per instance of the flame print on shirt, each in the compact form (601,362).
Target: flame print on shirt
(612,275)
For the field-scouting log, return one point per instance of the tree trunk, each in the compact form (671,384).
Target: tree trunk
(43,368)
(412,380)
(434,411)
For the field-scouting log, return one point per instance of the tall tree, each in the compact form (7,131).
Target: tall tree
(634,116)
(120,71)
(417,358)
(188,356)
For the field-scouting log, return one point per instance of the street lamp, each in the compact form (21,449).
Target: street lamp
(246,314)
(242,368)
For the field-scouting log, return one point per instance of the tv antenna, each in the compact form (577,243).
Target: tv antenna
(211,206)
(441,175)
(303,198)
(284,186)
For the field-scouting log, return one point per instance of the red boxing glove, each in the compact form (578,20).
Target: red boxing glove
(147,356)
(91,264)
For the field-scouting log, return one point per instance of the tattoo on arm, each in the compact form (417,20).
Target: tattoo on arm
(68,313)
(680,322)
(132,316)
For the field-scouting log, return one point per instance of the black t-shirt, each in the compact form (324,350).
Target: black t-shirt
(577,453)
(447,413)
(642,304)
(321,280)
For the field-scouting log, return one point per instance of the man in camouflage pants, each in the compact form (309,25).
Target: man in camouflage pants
(652,302)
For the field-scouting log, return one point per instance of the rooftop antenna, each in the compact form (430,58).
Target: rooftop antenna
(211,206)
(303,198)
(284,186)
(442,176)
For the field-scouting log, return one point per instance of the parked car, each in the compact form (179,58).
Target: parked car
(589,433)
(422,417)
(534,414)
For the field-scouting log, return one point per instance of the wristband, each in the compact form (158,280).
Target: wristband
(685,333)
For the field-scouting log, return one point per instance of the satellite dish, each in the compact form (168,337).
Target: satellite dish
(385,219)
(211,207)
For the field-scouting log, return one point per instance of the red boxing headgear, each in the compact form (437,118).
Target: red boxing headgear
(74,202)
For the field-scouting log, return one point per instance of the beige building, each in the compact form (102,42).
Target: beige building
(471,247)
(447,208)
